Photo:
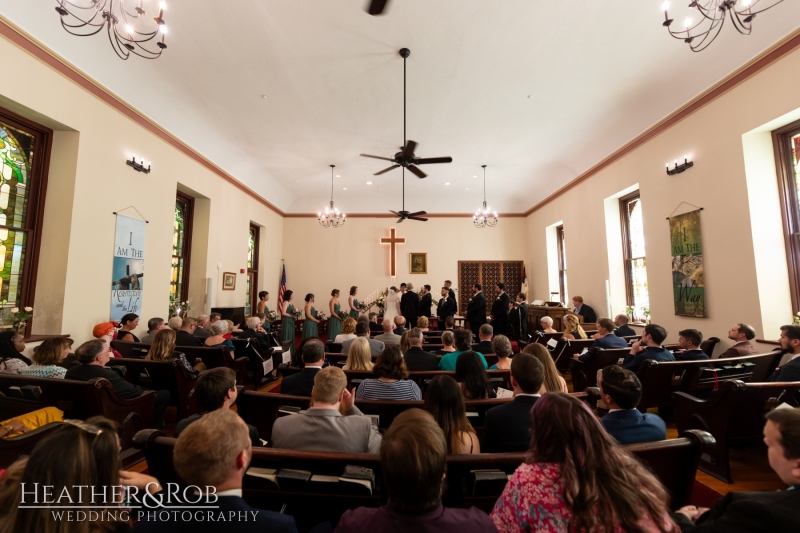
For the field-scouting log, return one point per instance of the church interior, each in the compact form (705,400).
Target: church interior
(319,190)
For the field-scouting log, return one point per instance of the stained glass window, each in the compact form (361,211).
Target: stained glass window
(251,297)
(181,241)
(634,256)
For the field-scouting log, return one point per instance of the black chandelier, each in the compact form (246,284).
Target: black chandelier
(484,217)
(331,217)
(123,23)
(698,35)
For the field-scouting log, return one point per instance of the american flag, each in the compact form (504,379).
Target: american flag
(282,289)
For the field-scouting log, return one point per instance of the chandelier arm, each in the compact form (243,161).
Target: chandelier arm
(97,7)
(68,28)
(705,12)
(745,28)
(122,52)
(88,22)
(708,37)
(752,12)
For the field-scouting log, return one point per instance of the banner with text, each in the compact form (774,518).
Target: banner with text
(687,265)
(128,271)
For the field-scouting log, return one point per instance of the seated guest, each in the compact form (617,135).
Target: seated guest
(449,323)
(392,382)
(463,338)
(623,329)
(506,428)
(444,401)
(185,335)
(217,338)
(374,327)
(448,343)
(11,347)
(547,324)
(47,358)
(501,347)
(415,483)
(163,349)
(576,478)
(572,328)
(388,337)
(648,347)
(790,344)
(313,357)
(128,323)
(175,323)
(404,346)
(580,308)
(93,356)
(107,331)
(741,335)
(423,323)
(154,325)
(348,330)
(485,334)
(376,345)
(758,512)
(237,321)
(14,427)
(215,389)
(553,380)
(415,357)
(621,390)
(322,427)
(472,377)
(215,452)
(400,325)
(255,331)
(201,331)
(359,355)
(231,328)
(213,317)
(605,340)
(690,340)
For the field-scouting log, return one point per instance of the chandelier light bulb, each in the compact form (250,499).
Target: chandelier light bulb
(163,28)
(332,217)
(162,5)
(687,22)
(665,6)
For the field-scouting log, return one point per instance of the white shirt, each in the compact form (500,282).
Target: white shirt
(230,492)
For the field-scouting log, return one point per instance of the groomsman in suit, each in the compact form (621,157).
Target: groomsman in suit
(518,317)
(476,309)
(451,293)
(445,308)
(425,302)
(409,306)
(500,310)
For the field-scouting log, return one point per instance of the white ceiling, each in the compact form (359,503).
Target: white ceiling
(539,91)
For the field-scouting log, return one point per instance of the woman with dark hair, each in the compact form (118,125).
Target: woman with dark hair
(11,347)
(163,349)
(472,376)
(392,382)
(128,323)
(353,303)
(577,478)
(310,324)
(334,321)
(444,401)
(287,324)
(263,298)
(47,358)
(76,455)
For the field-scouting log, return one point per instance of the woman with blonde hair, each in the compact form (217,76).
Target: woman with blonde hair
(348,330)
(359,356)
(404,344)
(423,323)
(553,381)
(163,349)
(572,328)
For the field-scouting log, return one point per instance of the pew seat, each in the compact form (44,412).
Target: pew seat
(169,375)
(584,373)
(131,350)
(13,448)
(341,358)
(218,356)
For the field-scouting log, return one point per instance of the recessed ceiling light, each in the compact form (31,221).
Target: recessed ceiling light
(467,188)
(474,176)
(447,183)
(369,183)
(344,188)
(264,96)
(338,175)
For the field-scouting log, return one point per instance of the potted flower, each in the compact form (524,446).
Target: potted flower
(630,311)
(796,319)
(646,313)
(21,318)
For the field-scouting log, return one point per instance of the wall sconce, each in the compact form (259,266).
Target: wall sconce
(138,166)
(677,169)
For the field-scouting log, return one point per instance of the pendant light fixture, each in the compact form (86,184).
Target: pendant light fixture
(331,217)
(484,217)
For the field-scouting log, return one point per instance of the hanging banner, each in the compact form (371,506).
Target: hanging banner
(687,265)
(128,271)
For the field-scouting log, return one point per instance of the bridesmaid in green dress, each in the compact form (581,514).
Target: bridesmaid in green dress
(353,303)
(310,328)
(334,322)
(287,324)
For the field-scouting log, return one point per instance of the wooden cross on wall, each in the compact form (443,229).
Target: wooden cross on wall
(393,241)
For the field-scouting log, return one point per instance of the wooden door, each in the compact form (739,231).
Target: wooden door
(487,273)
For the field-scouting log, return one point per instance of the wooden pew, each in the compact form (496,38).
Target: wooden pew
(565,349)
(13,448)
(258,361)
(733,414)
(674,462)
(340,358)
(131,350)
(584,373)
(216,357)
(169,375)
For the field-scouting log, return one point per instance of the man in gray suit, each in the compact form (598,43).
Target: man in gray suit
(362,330)
(388,336)
(322,427)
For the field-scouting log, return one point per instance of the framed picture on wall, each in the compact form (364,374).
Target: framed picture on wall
(228,281)
(418,263)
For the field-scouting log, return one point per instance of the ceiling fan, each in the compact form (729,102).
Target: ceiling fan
(376,7)
(403,215)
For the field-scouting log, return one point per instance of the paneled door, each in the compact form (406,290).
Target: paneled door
(487,273)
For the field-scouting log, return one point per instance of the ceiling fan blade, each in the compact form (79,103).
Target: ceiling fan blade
(394,212)
(430,160)
(376,7)
(408,149)
(418,213)
(418,219)
(399,220)
(386,170)
(417,172)
(377,157)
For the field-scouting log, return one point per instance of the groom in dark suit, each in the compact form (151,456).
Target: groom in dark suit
(500,310)
(445,308)
(425,302)
(409,306)
(476,310)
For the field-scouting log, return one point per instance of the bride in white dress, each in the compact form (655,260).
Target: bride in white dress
(391,306)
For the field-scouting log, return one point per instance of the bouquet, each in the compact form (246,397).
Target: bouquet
(297,313)
(796,319)
(343,316)
(320,316)
(380,301)
(273,316)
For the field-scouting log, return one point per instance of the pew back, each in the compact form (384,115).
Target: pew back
(131,349)
(218,356)
(170,375)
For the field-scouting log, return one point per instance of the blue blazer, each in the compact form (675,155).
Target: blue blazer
(630,426)
(625,331)
(788,372)
(606,343)
(633,362)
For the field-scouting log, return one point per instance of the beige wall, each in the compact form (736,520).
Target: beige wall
(715,138)
(89,180)
(319,260)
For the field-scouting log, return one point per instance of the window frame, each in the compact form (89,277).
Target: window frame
(37,196)
(562,258)
(627,260)
(254,270)
(790,209)
(187,242)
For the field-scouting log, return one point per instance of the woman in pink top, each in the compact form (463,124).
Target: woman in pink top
(577,479)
